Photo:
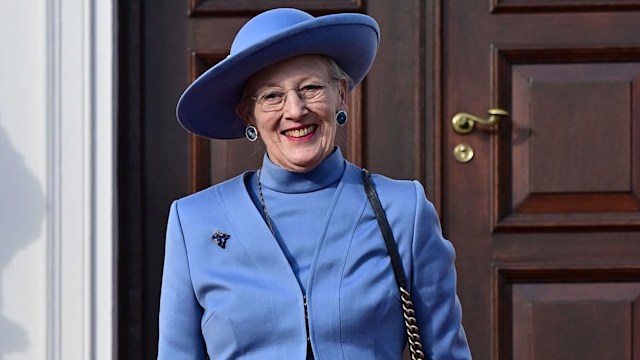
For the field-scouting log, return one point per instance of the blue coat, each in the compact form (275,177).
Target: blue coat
(243,301)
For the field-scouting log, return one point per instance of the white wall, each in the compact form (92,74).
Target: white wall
(56,179)
(23,169)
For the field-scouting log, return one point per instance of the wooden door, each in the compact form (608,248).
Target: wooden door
(546,216)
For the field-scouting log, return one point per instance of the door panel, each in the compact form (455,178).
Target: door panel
(223,7)
(567,313)
(563,5)
(546,216)
(556,167)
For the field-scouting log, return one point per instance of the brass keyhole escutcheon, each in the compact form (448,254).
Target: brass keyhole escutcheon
(463,153)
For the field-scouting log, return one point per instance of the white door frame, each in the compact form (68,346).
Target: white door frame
(81,246)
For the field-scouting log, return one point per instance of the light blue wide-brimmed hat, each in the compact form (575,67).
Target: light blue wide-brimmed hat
(208,106)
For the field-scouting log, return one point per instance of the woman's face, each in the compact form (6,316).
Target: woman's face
(301,134)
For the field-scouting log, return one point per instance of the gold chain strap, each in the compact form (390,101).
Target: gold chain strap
(410,322)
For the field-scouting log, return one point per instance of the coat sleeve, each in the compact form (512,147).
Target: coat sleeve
(180,313)
(434,286)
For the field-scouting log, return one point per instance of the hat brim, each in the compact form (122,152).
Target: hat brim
(208,106)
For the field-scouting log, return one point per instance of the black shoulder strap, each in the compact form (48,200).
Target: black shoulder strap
(387,234)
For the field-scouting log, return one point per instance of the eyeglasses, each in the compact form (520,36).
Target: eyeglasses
(273,99)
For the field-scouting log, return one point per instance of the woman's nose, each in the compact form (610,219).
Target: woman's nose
(294,105)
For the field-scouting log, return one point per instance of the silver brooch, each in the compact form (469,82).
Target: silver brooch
(220,238)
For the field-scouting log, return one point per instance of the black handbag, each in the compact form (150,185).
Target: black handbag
(413,335)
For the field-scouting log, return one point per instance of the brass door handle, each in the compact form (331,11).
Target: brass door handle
(463,122)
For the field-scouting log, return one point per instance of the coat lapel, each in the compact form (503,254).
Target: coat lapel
(276,279)
(253,234)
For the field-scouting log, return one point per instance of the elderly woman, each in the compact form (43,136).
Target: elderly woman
(289,261)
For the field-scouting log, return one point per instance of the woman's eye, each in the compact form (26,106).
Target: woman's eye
(271,96)
(312,87)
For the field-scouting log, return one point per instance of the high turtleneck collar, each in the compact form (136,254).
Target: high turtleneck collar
(328,172)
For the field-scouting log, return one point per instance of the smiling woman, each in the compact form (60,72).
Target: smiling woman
(288,261)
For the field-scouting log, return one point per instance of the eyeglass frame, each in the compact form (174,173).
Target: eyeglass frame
(285,94)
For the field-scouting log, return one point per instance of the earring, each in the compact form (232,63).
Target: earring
(251,133)
(341,117)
